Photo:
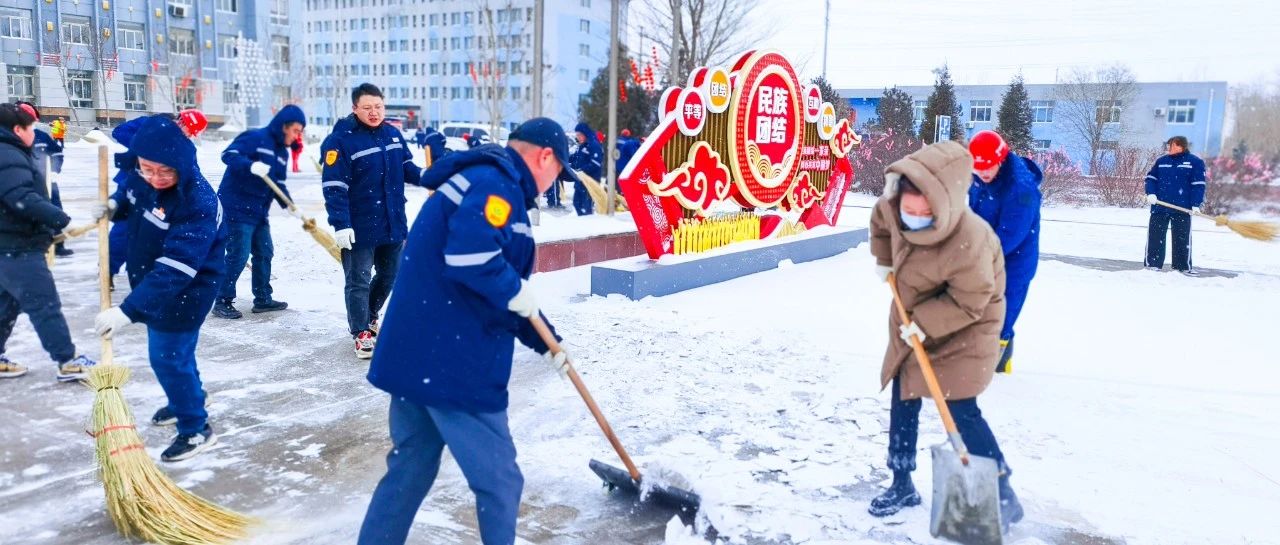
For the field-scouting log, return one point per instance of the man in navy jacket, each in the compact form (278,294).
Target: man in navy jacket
(366,164)
(247,199)
(466,271)
(177,243)
(1006,193)
(47,153)
(588,159)
(1178,179)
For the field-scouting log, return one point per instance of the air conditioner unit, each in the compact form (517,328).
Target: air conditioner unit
(1159,112)
(968,124)
(178,10)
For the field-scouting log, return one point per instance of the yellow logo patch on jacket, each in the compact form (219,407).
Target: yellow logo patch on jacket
(497,210)
(331,157)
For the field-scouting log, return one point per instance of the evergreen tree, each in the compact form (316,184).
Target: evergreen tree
(1015,117)
(942,102)
(829,94)
(894,113)
(639,112)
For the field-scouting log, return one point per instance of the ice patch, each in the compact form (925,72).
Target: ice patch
(311,450)
(35,471)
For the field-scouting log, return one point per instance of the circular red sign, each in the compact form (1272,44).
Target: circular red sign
(767,129)
(812,103)
(691,112)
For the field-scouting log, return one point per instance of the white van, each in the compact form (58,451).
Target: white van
(453,134)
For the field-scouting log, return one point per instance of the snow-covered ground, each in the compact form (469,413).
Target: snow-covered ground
(1144,406)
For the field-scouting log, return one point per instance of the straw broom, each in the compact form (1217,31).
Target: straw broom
(1256,230)
(321,236)
(142,501)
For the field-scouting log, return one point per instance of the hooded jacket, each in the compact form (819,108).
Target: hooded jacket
(448,338)
(365,170)
(1010,204)
(245,197)
(1178,180)
(950,276)
(28,219)
(589,156)
(45,148)
(177,238)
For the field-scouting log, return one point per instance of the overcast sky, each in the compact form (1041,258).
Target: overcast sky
(877,43)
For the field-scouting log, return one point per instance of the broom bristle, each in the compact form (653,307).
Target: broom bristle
(142,501)
(1256,230)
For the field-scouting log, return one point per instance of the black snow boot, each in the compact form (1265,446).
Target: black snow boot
(270,305)
(62,251)
(902,493)
(1010,507)
(224,308)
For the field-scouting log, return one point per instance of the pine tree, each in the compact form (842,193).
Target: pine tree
(639,112)
(895,113)
(1015,117)
(829,94)
(942,102)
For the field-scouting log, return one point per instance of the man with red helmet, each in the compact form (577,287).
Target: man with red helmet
(1006,193)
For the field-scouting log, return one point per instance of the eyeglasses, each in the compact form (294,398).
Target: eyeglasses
(162,174)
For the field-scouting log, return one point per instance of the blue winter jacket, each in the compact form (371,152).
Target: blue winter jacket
(245,197)
(627,148)
(1011,205)
(177,238)
(589,157)
(45,147)
(1178,180)
(448,338)
(434,141)
(365,169)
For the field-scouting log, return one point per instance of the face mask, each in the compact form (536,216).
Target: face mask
(915,223)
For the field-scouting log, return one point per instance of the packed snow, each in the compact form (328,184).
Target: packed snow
(1142,410)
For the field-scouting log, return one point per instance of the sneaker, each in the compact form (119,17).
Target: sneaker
(365,341)
(1190,272)
(10,368)
(373,325)
(1153,269)
(165,417)
(62,251)
(270,305)
(187,445)
(76,369)
(900,495)
(224,308)
(1005,364)
(1010,508)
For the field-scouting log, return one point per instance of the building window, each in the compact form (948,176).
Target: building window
(227,5)
(1182,111)
(227,47)
(15,23)
(135,93)
(22,83)
(586,3)
(280,12)
(917,110)
(283,95)
(1042,111)
(468,93)
(80,88)
(433,69)
(435,19)
(75,30)
(1041,145)
(131,36)
(435,92)
(455,93)
(182,42)
(584,25)
(584,75)
(1108,111)
(185,96)
(280,52)
(980,111)
(454,19)
(584,50)
(515,93)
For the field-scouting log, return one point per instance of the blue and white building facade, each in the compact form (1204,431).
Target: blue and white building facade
(96,62)
(1159,111)
(441,61)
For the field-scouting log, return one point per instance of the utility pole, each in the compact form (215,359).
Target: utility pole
(611,137)
(674,65)
(826,29)
(538,16)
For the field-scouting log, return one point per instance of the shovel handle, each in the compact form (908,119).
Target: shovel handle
(935,391)
(104,250)
(554,346)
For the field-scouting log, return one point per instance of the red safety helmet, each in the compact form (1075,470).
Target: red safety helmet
(193,122)
(626,132)
(988,150)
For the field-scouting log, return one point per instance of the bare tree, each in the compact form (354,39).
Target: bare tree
(1256,126)
(1090,105)
(502,50)
(702,32)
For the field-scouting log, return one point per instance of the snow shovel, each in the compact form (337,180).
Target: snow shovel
(308,224)
(617,479)
(966,497)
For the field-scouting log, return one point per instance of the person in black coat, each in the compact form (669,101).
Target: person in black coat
(28,222)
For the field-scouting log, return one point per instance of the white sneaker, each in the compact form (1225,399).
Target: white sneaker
(365,342)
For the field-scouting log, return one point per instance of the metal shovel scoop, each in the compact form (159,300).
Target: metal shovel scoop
(966,496)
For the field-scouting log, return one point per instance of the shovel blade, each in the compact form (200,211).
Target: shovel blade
(966,499)
(619,479)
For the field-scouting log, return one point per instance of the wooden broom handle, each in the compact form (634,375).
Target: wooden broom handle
(935,391)
(104,251)
(1185,210)
(280,194)
(545,333)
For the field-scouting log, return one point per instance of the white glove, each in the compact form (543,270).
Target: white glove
(258,168)
(883,272)
(345,238)
(1151,199)
(559,362)
(98,210)
(1195,210)
(906,331)
(523,303)
(109,321)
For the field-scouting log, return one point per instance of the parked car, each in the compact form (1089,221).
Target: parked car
(453,133)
